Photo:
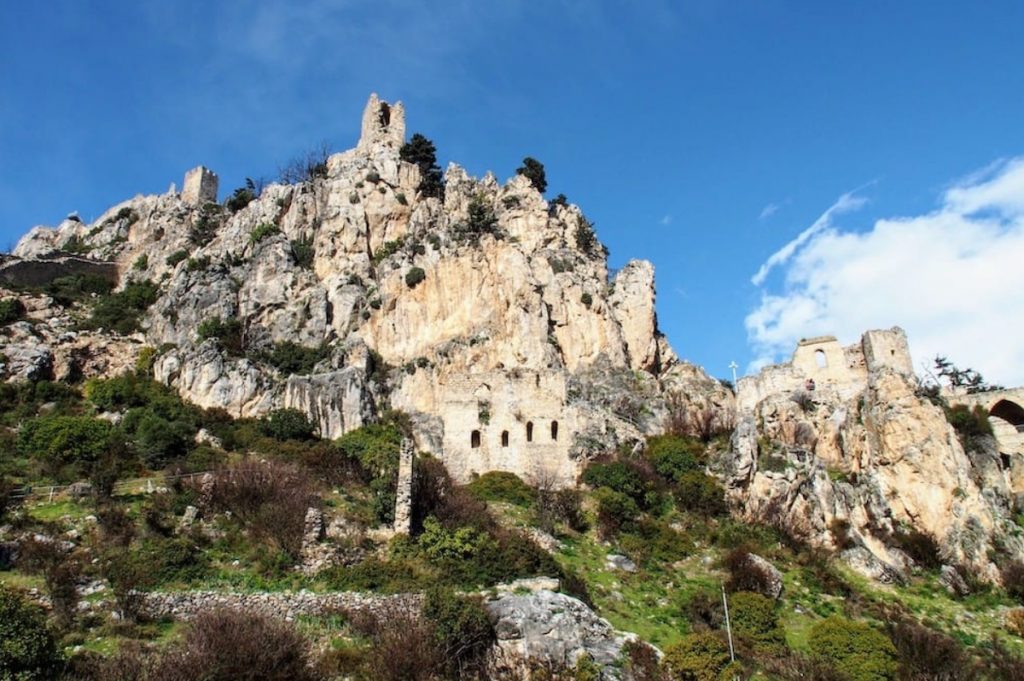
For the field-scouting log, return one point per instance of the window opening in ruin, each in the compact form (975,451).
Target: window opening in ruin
(554,430)
(819,357)
(1005,460)
(529,431)
(504,438)
(385,114)
(474,439)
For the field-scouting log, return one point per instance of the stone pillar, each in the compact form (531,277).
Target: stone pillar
(403,494)
(200,186)
(383,123)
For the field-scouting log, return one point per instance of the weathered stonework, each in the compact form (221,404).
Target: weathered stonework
(404,488)
(200,186)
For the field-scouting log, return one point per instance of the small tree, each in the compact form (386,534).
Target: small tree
(28,650)
(533,170)
(306,167)
(421,152)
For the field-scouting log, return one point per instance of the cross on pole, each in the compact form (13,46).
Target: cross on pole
(734,366)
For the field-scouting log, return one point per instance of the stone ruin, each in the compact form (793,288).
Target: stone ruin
(383,123)
(200,186)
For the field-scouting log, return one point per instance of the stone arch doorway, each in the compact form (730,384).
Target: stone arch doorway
(1007,419)
(1010,412)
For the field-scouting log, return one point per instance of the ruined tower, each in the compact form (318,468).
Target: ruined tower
(200,186)
(383,123)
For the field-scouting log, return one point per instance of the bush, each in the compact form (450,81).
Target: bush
(921,547)
(28,650)
(414,276)
(697,657)
(262,231)
(560,506)
(303,252)
(754,621)
(502,486)
(269,498)
(673,456)
(480,220)
(586,239)
(288,424)
(744,574)
(623,477)
(533,170)
(654,541)
(1012,574)
(404,646)
(11,310)
(158,440)
(242,197)
(227,332)
(700,493)
(615,511)
(863,653)
(307,167)
(376,448)
(927,655)
(120,312)
(60,441)
(235,645)
(292,358)
(462,629)
(971,425)
(176,257)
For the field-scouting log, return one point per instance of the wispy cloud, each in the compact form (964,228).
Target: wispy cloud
(768,211)
(844,204)
(665,220)
(950,277)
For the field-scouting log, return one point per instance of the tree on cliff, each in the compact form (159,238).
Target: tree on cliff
(534,172)
(422,152)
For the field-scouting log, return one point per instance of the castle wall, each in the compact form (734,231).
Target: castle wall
(200,186)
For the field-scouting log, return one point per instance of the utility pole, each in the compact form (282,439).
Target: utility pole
(734,366)
(728,626)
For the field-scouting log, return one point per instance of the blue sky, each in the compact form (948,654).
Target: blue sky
(704,136)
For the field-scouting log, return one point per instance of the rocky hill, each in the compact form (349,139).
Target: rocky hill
(210,407)
(488,315)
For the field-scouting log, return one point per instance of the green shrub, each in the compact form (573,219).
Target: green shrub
(863,653)
(28,651)
(176,257)
(72,288)
(480,220)
(292,358)
(376,448)
(461,627)
(120,312)
(414,276)
(502,486)
(700,493)
(241,197)
(76,245)
(654,542)
(288,424)
(702,656)
(60,441)
(673,456)
(303,252)
(586,239)
(920,546)
(971,425)
(200,264)
(615,511)
(587,299)
(228,333)
(158,440)
(11,310)
(754,619)
(141,263)
(262,231)
(618,476)
(397,575)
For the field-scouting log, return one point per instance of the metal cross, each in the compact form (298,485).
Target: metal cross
(734,366)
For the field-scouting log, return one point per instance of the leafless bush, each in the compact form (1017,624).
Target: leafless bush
(642,661)
(231,644)
(1003,663)
(805,436)
(796,667)
(927,655)
(745,574)
(269,498)
(60,571)
(556,505)
(705,612)
(307,166)
(116,527)
(678,422)
(405,648)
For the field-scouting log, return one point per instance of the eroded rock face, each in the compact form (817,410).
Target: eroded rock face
(853,460)
(511,351)
(549,627)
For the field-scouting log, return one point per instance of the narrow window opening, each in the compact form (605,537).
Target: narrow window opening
(504,438)
(385,115)
(1005,460)
(529,431)
(819,357)
(474,439)
(554,430)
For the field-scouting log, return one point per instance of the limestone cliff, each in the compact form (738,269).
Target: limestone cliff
(511,346)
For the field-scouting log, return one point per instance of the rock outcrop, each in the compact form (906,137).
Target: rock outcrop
(488,315)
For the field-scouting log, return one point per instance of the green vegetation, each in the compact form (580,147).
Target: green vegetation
(504,487)
(288,424)
(292,358)
(421,152)
(227,332)
(303,252)
(586,239)
(414,276)
(480,221)
(242,196)
(860,651)
(28,650)
(11,310)
(533,170)
(174,258)
(263,231)
(121,312)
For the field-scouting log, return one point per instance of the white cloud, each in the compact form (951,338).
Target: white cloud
(665,220)
(951,278)
(768,211)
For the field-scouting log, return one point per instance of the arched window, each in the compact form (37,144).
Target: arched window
(474,439)
(529,431)
(554,430)
(819,357)
(504,438)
